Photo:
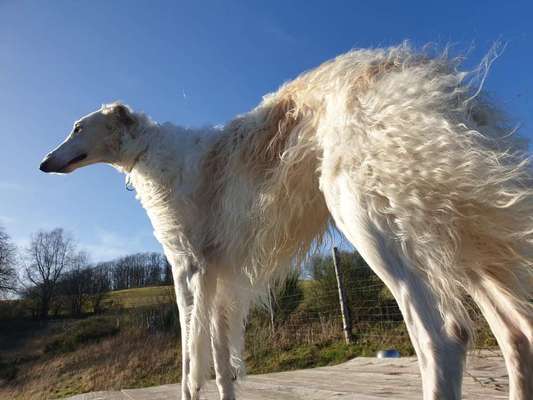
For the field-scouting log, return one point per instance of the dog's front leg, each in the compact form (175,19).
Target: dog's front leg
(192,297)
(230,308)
(225,374)
(184,299)
(199,331)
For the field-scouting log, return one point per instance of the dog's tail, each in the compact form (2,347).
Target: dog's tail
(456,179)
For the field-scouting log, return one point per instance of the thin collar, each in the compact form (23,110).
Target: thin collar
(129,185)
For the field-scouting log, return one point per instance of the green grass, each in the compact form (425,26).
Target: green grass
(140,297)
(311,356)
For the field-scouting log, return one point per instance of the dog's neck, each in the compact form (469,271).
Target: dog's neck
(165,156)
(135,144)
(165,174)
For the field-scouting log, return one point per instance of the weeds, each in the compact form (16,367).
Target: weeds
(90,330)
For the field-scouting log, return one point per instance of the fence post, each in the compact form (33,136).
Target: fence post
(345,311)
(271,309)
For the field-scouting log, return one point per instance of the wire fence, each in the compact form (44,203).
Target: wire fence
(308,312)
(348,302)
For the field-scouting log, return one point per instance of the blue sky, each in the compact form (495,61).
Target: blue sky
(194,63)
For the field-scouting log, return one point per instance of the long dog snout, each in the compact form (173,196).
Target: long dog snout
(55,164)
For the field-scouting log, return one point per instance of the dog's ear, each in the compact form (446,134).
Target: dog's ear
(123,115)
(120,113)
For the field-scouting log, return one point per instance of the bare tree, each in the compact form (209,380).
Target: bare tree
(137,270)
(74,285)
(99,285)
(167,273)
(8,275)
(49,256)
(154,268)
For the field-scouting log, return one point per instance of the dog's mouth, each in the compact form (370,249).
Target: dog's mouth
(75,160)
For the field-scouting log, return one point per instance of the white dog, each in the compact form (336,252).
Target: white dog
(411,164)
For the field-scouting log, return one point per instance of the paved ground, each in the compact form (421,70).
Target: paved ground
(359,379)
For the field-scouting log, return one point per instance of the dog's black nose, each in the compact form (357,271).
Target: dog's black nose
(45,165)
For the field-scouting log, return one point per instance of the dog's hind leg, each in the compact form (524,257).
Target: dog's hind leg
(441,356)
(512,324)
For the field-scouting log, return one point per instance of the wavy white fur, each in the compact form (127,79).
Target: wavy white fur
(411,163)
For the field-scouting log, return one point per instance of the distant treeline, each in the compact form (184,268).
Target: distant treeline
(135,271)
(52,277)
(82,287)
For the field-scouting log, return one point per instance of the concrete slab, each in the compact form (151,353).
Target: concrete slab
(358,379)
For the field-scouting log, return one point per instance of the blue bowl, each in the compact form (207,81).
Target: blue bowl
(390,353)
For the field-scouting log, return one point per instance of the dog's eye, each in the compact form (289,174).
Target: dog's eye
(77,128)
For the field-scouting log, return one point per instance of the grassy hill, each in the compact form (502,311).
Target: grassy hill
(141,297)
(114,350)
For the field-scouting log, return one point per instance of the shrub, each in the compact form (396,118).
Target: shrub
(89,330)
(8,371)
